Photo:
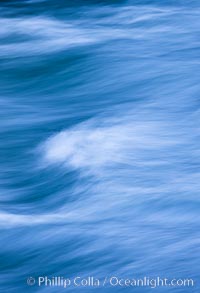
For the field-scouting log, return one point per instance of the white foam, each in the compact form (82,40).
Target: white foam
(38,35)
(43,35)
(11,219)
(114,143)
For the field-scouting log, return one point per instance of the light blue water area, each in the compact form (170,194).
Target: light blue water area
(99,105)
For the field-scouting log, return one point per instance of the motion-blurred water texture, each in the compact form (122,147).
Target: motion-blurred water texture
(100,141)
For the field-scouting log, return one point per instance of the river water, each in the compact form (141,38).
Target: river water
(100,142)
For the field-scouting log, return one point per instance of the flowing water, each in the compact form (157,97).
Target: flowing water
(100,142)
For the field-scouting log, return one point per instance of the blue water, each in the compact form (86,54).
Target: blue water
(100,148)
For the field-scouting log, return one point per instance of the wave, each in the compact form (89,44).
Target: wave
(39,35)
(109,143)
(28,36)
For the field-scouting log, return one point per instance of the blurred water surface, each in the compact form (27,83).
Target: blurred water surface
(99,141)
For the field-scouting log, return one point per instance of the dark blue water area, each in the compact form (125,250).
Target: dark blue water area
(100,177)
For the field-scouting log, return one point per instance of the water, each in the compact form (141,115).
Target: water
(99,142)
